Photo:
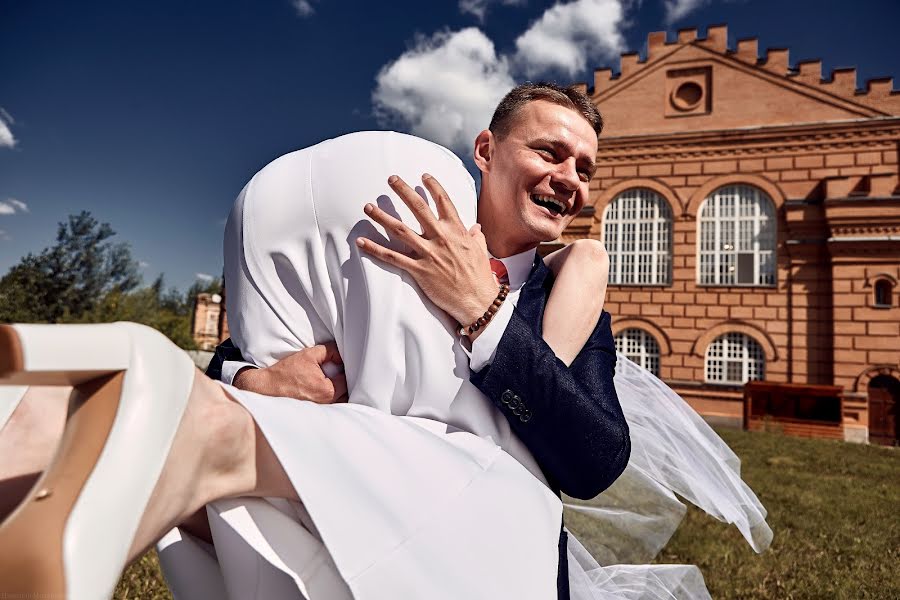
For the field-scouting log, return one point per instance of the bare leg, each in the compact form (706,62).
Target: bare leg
(217,452)
(29,440)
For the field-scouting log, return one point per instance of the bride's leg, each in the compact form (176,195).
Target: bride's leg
(218,452)
(212,450)
(28,440)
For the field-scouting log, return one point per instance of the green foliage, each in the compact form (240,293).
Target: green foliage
(85,278)
(66,280)
(832,506)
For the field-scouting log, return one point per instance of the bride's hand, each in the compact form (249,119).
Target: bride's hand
(299,376)
(449,262)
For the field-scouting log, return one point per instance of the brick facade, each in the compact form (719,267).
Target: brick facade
(209,326)
(695,117)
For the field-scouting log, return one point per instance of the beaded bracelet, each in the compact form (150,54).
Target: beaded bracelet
(488,314)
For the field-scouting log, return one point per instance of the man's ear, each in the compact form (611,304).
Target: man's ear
(484,150)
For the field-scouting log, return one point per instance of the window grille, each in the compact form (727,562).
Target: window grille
(737,237)
(640,347)
(637,233)
(734,358)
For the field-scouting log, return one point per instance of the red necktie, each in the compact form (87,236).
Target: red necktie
(499,270)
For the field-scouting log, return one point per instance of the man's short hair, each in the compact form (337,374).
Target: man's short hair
(519,96)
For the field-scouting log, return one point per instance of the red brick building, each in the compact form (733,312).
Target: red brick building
(752,214)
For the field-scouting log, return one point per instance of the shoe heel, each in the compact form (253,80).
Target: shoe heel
(62,354)
(71,535)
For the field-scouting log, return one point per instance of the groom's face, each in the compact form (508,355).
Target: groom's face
(537,176)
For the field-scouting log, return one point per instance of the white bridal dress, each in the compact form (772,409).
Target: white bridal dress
(417,488)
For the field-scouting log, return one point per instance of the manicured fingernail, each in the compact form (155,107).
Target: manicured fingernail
(425,176)
(368,208)
(360,242)
(393,179)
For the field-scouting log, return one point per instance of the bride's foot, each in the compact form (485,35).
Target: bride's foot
(145,446)
(31,424)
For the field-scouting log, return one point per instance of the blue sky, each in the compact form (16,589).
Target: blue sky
(153,115)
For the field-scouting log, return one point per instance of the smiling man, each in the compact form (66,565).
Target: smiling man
(536,160)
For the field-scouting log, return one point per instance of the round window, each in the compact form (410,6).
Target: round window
(687,95)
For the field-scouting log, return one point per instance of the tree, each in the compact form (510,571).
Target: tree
(66,281)
(167,311)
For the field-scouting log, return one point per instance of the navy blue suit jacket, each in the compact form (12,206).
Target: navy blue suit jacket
(568,417)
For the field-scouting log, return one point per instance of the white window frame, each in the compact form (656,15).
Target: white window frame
(726,214)
(637,232)
(734,352)
(640,347)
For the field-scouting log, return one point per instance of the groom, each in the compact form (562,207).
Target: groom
(536,160)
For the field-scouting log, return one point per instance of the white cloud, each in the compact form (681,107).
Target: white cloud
(479,7)
(7,140)
(566,36)
(445,88)
(678,9)
(304,8)
(4,236)
(143,264)
(12,206)
(204,277)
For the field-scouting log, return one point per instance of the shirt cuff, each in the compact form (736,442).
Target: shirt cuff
(484,348)
(230,368)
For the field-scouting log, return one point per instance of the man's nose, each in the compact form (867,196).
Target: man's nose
(567,174)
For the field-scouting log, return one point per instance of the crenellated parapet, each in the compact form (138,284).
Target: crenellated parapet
(878,93)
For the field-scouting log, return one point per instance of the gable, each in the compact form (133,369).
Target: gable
(696,85)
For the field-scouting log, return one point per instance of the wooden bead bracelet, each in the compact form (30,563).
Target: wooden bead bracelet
(488,314)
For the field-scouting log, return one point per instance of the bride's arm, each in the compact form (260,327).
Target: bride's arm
(576,301)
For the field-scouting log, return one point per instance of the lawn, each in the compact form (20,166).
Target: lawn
(833,507)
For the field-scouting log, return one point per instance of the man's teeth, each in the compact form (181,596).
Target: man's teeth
(551,203)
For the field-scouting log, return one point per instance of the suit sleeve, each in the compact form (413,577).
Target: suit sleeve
(569,417)
(226,351)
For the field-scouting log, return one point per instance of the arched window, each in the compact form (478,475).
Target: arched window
(637,233)
(737,237)
(883,292)
(734,358)
(640,347)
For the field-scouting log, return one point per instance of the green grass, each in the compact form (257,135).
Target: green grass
(834,508)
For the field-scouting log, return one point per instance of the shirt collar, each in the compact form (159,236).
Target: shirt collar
(518,267)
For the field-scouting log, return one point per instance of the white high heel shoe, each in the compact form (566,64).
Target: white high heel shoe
(71,535)
(10,396)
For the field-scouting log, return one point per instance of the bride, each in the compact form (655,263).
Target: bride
(342,500)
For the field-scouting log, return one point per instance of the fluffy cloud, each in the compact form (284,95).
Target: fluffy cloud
(6,137)
(678,9)
(204,277)
(479,7)
(568,35)
(443,89)
(12,206)
(304,8)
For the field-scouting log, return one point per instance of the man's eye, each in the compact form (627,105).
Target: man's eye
(584,176)
(548,152)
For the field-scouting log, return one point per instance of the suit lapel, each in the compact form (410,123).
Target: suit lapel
(533,296)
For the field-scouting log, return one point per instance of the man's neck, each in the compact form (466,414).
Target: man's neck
(500,244)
